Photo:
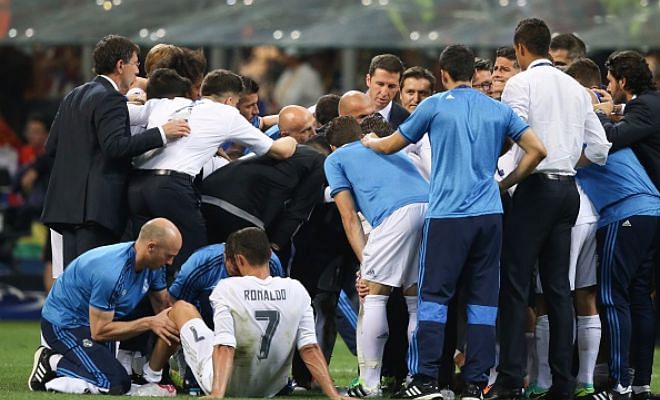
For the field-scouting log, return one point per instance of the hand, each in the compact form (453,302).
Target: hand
(607,108)
(175,129)
(164,328)
(137,98)
(361,288)
(368,140)
(605,96)
(28,179)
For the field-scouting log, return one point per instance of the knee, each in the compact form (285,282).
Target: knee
(120,382)
(183,311)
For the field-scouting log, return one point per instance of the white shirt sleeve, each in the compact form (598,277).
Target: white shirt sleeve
(306,334)
(516,95)
(597,145)
(243,132)
(224,323)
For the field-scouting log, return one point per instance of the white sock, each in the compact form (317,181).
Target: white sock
(588,340)
(150,375)
(54,360)
(373,334)
(67,384)
(542,333)
(125,358)
(411,302)
(530,341)
(641,389)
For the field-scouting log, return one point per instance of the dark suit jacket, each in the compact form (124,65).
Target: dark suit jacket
(398,114)
(640,130)
(92,148)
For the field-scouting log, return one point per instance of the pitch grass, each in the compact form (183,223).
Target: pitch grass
(18,340)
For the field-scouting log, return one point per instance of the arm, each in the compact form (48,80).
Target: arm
(223,363)
(596,145)
(534,153)
(104,329)
(160,300)
(317,366)
(351,222)
(283,148)
(636,125)
(268,121)
(387,145)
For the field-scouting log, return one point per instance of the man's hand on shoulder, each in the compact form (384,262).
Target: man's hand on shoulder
(176,129)
(368,140)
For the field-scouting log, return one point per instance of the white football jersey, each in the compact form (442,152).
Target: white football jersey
(264,320)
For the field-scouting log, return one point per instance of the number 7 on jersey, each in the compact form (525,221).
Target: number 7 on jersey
(273,319)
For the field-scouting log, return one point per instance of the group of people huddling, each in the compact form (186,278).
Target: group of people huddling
(511,211)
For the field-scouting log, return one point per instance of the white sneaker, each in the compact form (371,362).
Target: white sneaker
(152,390)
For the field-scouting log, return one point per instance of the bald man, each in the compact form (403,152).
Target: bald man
(356,104)
(79,324)
(297,122)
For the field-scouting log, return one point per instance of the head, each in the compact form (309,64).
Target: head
(319,143)
(248,104)
(628,74)
(383,79)
(566,48)
(376,123)
(166,83)
(356,104)
(585,71)
(157,244)
(247,251)
(456,65)
(531,40)
(506,66)
(117,57)
(188,63)
(297,122)
(327,108)
(342,130)
(36,130)
(417,83)
(222,86)
(482,79)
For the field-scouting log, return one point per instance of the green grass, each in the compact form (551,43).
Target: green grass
(18,340)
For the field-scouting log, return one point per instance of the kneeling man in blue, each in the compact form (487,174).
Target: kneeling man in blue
(79,326)
(462,234)
(628,234)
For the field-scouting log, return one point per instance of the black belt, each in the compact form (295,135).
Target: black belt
(556,177)
(166,172)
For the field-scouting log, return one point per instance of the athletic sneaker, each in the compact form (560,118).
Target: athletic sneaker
(499,392)
(584,392)
(534,392)
(472,392)
(611,395)
(152,390)
(41,370)
(643,396)
(419,390)
(357,389)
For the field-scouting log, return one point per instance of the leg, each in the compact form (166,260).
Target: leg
(85,359)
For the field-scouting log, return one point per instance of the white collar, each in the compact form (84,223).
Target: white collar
(539,61)
(385,112)
(114,85)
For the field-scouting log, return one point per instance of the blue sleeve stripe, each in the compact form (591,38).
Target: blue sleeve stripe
(339,189)
(432,312)
(196,281)
(481,315)
(119,285)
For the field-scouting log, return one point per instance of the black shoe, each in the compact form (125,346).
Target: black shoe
(611,395)
(41,370)
(419,390)
(643,396)
(472,391)
(498,392)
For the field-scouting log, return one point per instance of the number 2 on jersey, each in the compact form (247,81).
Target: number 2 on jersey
(273,319)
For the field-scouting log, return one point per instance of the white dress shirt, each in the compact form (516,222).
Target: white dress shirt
(211,124)
(560,112)
(385,112)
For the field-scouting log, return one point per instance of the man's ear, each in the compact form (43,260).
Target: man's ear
(367,79)
(623,82)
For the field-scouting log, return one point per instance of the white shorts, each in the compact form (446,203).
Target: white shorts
(391,255)
(583,259)
(197,344)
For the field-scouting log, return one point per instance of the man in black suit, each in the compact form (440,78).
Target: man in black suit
(631,83)
(383,85)
(92,148)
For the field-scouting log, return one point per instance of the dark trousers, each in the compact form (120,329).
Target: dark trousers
(538,227)
(452,248)
(86,359)
(172,197)
(626,249)
(220,224)
(77,239)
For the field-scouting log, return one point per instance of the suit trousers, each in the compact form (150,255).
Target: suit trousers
(173,197)
(77,239)
(538,227)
